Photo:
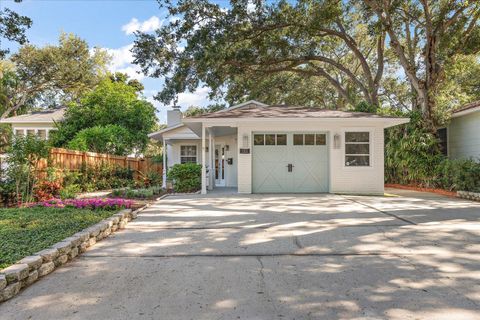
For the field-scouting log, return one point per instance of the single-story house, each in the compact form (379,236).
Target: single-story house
(259,148)
(39,123)
(461,138)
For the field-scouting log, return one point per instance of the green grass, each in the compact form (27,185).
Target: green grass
(29,230)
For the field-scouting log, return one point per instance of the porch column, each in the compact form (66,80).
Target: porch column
(164,167)
(204,167)
(210,159)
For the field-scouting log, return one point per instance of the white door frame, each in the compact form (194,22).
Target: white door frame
(221,181)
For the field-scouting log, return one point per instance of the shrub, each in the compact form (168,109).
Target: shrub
(47,190)
(142,193)
(69,191)
(459,175)
(186,177)
(112,139)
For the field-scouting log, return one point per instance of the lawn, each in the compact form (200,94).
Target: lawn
(29,230)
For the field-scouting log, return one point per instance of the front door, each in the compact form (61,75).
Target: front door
(294,162)
(220,165)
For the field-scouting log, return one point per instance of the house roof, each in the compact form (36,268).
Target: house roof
(44,116)
(467,109)
(284,111)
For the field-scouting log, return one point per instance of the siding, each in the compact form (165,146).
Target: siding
(365,180)
(464,136)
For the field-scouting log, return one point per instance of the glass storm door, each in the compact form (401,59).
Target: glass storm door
(220,165)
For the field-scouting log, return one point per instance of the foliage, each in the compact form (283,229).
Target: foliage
(365,107)
(459,175)
(411,153)
(46,190)
(424,37)
(111,139)
(152,178)
(51,75)
(111,103)
(195,111)
(100,177)
(28,230)
(91,203)
(69,191)
(213,44)
(142,193)
(186,177)
(13,27)
(123,78)
(23,157)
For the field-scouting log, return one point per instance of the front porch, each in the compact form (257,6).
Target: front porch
(219,156)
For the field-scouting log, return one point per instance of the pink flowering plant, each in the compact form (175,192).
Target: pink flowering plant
(92,203)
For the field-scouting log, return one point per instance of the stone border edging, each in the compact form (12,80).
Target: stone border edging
(475,196)
(29,269)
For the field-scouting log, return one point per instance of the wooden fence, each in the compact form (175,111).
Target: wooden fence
(71,160)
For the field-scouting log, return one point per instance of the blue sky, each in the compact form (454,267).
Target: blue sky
(107,24)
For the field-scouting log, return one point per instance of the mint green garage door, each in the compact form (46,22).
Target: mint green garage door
(290,162)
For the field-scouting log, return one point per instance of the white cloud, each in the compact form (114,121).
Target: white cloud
(197,98)
(148,25)
(122,60)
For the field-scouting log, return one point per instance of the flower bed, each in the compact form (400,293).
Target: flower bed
(89,203)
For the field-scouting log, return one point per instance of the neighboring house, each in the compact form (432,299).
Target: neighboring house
(258,148)
(39,123)
(461,138)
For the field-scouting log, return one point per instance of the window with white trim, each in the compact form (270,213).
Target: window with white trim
(188,154)
(357,149)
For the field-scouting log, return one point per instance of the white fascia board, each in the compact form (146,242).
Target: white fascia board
(234,122)
(27,121)
(465,112)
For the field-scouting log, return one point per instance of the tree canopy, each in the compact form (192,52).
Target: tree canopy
(379,52)
(50,75)
(13,27)
(113,107)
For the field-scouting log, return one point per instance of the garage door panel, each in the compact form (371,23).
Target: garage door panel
(309,173)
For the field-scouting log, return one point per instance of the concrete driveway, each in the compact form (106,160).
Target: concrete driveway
(408,256)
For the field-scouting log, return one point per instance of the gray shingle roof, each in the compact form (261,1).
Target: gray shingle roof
(284,111)
(44,116)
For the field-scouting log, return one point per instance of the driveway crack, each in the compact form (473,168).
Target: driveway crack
(263,286)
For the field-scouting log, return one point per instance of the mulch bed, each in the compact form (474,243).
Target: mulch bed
(420,189)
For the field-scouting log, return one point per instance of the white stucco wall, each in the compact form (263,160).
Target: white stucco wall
(365,180)
(464,136)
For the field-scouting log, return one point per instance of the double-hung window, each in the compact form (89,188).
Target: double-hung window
(357,149)
(188,154)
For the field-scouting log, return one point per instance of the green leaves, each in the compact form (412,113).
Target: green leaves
(111,119)
(186,177)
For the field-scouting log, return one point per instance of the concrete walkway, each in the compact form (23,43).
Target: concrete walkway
(408,256)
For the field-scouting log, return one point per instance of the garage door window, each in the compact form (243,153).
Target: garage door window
(188,154)
(309,139)
(357,149)
(270,139)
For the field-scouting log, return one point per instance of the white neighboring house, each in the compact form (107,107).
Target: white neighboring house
(258,148)
(39,123)
(461,138)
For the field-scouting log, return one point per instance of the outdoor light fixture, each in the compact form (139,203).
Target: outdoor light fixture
(336,141)
(246,139)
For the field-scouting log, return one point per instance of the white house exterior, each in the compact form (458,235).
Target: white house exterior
(39,123)
(463,133)
(258,148)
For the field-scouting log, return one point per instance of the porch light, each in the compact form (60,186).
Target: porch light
(336,141)
(246,141)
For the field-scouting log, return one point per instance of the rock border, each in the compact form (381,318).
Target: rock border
(28,270)
(475,196)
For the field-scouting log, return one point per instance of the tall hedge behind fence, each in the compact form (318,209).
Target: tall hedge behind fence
(71,160)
